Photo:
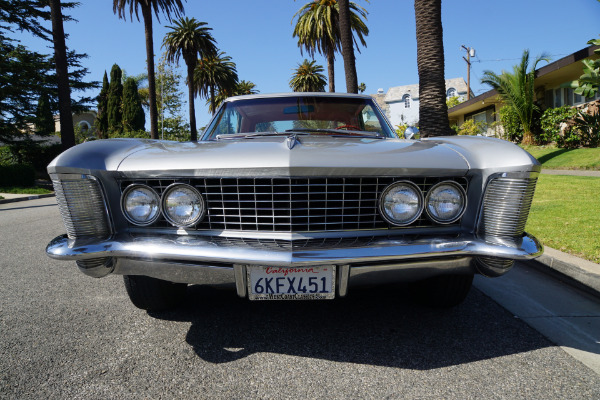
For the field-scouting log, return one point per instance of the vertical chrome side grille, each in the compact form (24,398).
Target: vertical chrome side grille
(81,206)
(506,207)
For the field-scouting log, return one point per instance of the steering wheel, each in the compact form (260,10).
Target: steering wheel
(349,127)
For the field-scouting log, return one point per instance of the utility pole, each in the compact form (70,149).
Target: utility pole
(470,53)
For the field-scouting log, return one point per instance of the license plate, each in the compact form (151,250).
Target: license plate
(298,283)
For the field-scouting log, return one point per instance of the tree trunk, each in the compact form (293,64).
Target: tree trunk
(433,111)
(67,132)
(330,69)
(147,14)
(212,99)
(527,138)
(348,47)
(193,131)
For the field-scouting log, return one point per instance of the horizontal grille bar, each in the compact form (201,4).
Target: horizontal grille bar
(292,204)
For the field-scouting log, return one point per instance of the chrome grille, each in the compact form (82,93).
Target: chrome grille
(506,207)
(82,207)
(293,204)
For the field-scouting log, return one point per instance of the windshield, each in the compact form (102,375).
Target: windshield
(302,114)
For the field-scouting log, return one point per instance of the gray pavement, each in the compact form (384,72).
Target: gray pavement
(67,336)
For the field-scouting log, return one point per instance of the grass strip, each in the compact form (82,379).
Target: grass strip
(24,190)
(565,214)
(555,158)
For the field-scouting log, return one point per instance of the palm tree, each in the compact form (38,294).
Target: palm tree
(348,47)
(242,88)
(189,39)
(318,30)
(433,111)
(67,133)
(308,77)
(168,7)
(212,74)
(517,91)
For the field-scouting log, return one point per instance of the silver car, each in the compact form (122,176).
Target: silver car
(295,196)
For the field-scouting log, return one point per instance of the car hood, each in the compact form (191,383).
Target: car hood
(289,156)
(296,156)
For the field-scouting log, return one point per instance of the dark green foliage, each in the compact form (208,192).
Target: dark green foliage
(584,133)
(26,75)
(23,76)
(44,120)
(102,117)
(115,95)
(551,120)
(17,175)
(189,39)
(588,83)
(308,77)
(513,129)
(516,89)
(133,114)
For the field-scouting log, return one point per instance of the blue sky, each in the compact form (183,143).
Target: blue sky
(257,34)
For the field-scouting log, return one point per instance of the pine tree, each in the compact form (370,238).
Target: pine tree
(115,95)
(44,120)
(102,117)
(133,114)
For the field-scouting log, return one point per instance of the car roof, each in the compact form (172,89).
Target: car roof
(299,94)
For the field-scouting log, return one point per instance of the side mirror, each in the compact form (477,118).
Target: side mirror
(410,132)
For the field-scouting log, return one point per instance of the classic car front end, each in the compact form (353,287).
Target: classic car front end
(296,196)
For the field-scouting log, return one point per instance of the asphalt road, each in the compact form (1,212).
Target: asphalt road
(67,336)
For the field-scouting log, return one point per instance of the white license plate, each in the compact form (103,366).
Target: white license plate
(298,283)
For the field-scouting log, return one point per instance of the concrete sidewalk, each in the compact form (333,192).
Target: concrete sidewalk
(574,270)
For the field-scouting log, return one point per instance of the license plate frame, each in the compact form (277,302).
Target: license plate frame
(291,283)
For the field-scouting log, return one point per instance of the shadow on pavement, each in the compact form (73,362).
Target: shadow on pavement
(375,326)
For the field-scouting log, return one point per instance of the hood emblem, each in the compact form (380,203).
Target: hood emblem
(292,140)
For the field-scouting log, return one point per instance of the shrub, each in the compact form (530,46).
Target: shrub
(17,175)
(587,129)
(513,130)
(472,128)
(551,122)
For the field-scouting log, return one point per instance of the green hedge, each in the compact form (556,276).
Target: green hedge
(17,175)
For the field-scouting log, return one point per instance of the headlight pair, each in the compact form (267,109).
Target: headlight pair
(181,204)
(402,203)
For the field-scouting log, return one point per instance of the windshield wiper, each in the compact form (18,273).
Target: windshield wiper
(337,132)
(248,135)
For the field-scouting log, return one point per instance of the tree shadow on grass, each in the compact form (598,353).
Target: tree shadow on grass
(546,157)
(376,326)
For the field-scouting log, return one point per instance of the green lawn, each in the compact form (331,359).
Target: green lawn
(556,158)
(24,190)
(565,214)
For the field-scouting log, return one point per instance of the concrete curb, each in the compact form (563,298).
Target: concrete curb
(26,197)
(581,273)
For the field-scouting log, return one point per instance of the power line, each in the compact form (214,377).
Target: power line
(512,59)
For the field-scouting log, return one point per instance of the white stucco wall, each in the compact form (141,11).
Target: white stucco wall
(397,109)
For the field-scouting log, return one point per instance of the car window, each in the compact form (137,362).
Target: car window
(280,114)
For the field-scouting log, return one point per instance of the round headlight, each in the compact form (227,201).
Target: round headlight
(182,205)
(140,204)
(446,202)
(401,203)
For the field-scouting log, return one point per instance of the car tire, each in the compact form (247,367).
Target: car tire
(153,294)
(442,291)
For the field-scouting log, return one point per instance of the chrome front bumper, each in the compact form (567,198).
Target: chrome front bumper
(195,259)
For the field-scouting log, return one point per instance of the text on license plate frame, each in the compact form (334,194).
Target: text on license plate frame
(295,283)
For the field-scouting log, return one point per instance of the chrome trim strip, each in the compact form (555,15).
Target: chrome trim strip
(195,249)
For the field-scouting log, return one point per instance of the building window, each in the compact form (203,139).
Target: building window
(451,93)
(557,98)
(406,100)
